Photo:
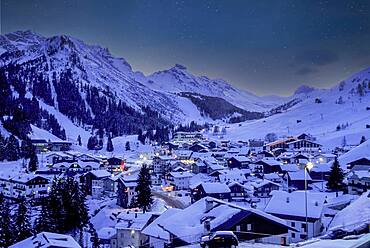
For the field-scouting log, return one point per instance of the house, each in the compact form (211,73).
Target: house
(110,184)
(238,192)
(94,179)
(264,154)
(233,175)
(286,157)
(279,144)
(296,180)
(180,180)
(320,172)
(238,162)
(323,158)
(161,165)
(358,182)
(217,190)
(262,187)
(56,157)
(301,159)
(159,237)
(198,148)
(115,164)
(107,236)
(255,145)
(41,145)
(187,137)
(360,161)
(303,145)
(129,229)
(30,186)
(61,145)
(291,207)
(273,177)
(47,240)
(126,189)
(199,167)
(210,215)
(75,167)
(270,165)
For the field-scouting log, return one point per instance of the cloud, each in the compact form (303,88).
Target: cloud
(305,71)
(317,57)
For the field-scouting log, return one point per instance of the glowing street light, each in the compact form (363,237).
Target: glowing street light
(307,167)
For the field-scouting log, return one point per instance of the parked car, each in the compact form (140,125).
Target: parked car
(226,239)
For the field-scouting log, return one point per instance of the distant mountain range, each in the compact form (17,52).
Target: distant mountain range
(65,76)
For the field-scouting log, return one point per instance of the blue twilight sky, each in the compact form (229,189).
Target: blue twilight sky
(267,47)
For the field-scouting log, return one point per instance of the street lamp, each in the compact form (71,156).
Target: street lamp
(307,167)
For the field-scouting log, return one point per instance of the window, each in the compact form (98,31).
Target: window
(303,236)
(293,224)
(304,227)
(293,235)
(249,227)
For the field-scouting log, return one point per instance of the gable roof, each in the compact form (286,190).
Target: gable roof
(48,239)
(220,214)
(214,188)
(293,204)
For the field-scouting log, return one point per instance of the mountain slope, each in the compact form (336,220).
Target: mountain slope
(95,90)
(178,79)
(319,112)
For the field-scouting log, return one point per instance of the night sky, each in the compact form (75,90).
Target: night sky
(267,47)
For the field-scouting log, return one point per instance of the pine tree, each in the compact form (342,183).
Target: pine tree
(344,141)
(92,143)
(22,222)
(33,163)
(363,139)
(94,236)
(2,148)
(127,146)
(6,224)
(12,149)
(144,194)
(335,181)
(109,144)
(79,140)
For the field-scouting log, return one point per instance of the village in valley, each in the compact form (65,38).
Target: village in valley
(270,192)
(190,124)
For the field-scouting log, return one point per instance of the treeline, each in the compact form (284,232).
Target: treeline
(84,104)
(63,211)
(218,108)
(18,112)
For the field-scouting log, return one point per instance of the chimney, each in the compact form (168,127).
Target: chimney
(207,226)
(209,204)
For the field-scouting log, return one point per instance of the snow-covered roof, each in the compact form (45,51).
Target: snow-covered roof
(133,220)
(232,175)
(354,216)
(48,239)
(260,183)
(293,204)
(155,229)
(361,151)
(213,188)
(289,167)
(106,233)
(299,175)
(191,226)
(100,173)
(181,174)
